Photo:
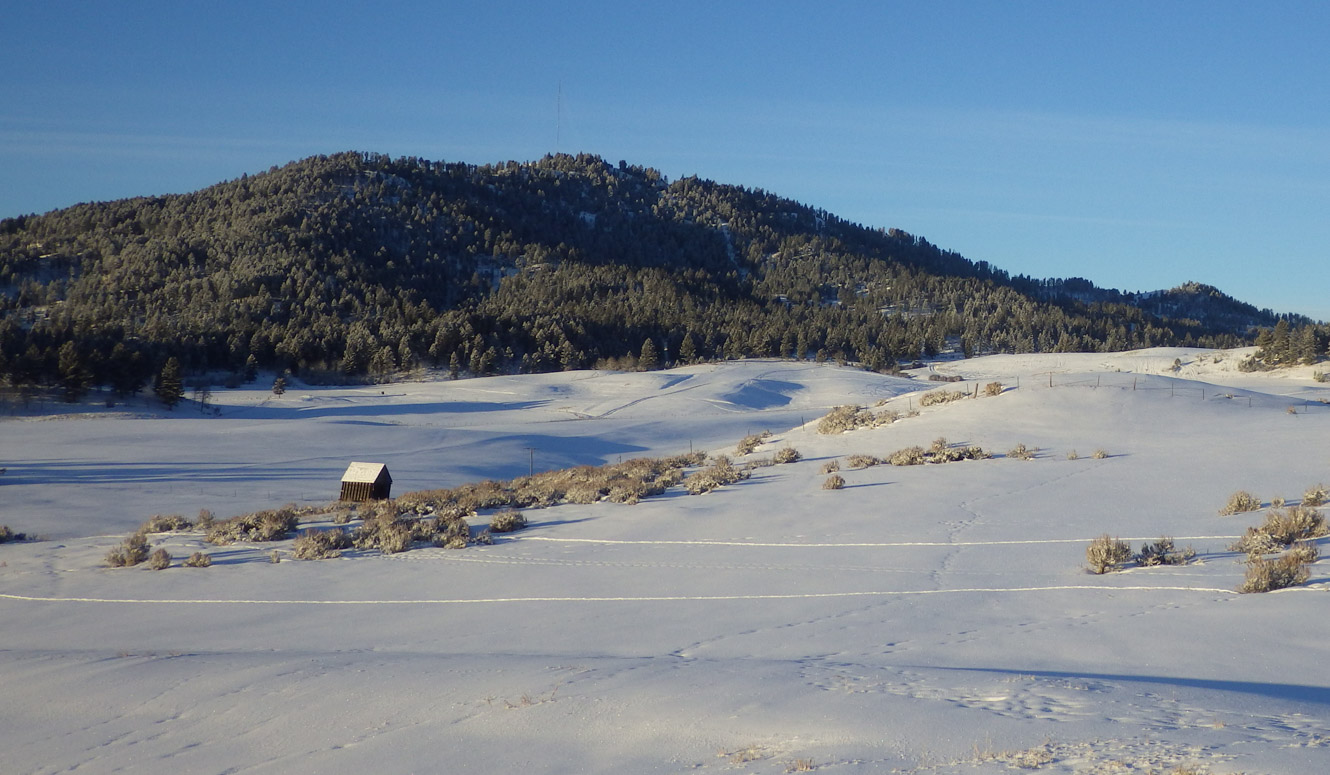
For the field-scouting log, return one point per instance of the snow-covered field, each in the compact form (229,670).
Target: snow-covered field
(925,619)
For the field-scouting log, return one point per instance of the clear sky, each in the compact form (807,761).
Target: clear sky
(1137,144)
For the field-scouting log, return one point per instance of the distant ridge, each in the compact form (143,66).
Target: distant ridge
(355,263)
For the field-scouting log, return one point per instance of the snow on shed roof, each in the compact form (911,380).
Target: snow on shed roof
(363,472)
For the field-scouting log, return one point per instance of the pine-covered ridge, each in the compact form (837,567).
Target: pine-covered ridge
(359,263)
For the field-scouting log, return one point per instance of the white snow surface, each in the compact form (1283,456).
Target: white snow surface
(925,619)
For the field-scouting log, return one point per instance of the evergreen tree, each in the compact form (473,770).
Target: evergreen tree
(454,366)
(168,387)
(648,360)
(75,379)
(687,350)
(279,385)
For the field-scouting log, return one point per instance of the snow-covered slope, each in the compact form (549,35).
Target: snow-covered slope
(930,619)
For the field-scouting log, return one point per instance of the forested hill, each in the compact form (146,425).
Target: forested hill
(358,263)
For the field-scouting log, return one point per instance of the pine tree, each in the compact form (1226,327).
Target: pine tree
(454,366)
(168,386)
(279,385)
(687,350)
(648,360)
(74,376)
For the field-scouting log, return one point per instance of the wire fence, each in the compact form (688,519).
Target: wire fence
(1174,389)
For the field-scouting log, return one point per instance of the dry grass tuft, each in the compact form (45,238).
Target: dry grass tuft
(1240,502)
(1022,452)
(993,389)
(834,482)
(1106,553)
(1099,454)
(831,466)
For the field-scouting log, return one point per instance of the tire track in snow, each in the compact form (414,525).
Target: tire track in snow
(646,598)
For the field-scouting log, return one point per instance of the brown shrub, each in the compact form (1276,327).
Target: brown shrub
(942,397)
(198,560)
(320,544)
(159,560)
(786,455)
(910,456)
(751,442)
(1022,452)
(164,523)
(506,521)
(132,551)
(845,418)
(1240,502)
(1267,575)
(1106,553)
(270,525)
(1281,528)
(1163,552)
(861,461)
(831,466)
(834,482)
(721,473)
(993,389)
(388,534)
(1315,496)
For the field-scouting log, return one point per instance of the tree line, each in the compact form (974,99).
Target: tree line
(359,265)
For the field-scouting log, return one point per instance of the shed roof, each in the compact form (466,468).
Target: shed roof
(364,472)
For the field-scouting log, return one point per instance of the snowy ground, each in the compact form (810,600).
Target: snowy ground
(930,619)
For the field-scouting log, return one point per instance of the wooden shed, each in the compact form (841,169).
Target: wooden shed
(366,482)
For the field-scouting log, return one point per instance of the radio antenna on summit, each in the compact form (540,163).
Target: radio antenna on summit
(558,119)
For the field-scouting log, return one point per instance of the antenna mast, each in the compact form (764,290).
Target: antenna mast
(558,119)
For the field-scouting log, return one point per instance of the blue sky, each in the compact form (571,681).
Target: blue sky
(1137,144)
